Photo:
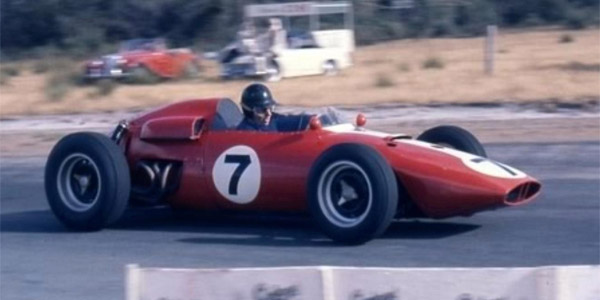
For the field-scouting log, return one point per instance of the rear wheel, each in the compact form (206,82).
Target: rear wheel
(352,193)
(87,181)
(453,137)
(330,68)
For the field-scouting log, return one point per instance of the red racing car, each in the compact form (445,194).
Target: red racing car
(351,180)
(144,59)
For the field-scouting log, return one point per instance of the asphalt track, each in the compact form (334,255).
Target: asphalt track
(42,260)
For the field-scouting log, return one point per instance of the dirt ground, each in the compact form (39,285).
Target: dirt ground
(533,66)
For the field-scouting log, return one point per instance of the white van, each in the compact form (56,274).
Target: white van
(283,49)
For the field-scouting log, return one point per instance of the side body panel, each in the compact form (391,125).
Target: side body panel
(284,160)
(189,152)
(169,63)
(441,182)
(300,62)
(442,185)
(337,38)
(334,45)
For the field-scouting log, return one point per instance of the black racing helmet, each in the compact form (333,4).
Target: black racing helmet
(256,97)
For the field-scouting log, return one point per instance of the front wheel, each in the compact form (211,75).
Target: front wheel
(191,70)
(453,137)
(142,75)
(87,181)
(352,193)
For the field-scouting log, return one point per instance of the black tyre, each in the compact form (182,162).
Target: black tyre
(352,193)
(191,70)
(87,181)
(142,75)
(330,68)
(453,137)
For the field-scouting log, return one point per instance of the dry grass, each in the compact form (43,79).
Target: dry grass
(529,67)
(384,81)
(433,63)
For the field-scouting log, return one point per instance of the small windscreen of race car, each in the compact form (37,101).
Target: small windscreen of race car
(331,116)
(328,116)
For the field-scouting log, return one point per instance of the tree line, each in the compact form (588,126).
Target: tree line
(88,26)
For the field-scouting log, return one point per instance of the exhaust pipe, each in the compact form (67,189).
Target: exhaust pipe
(153,190)
(119,131)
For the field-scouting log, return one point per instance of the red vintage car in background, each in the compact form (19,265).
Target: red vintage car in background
(144,59)
(354,182)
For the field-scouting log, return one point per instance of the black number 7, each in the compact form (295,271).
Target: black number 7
(243,162)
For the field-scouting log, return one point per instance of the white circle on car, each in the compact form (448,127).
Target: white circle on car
(237,174)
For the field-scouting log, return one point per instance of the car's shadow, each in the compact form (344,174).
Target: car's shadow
(37,221)
(239,229)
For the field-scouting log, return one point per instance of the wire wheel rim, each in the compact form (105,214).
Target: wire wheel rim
(338,184)
(79,182)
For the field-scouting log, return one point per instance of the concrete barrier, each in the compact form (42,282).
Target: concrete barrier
(340,283)
(234,284)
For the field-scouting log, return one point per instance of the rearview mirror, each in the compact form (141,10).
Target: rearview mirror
(361,120)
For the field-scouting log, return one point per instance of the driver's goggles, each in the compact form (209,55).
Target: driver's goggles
(264,110)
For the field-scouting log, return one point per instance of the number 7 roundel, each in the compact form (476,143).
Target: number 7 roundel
(237,174)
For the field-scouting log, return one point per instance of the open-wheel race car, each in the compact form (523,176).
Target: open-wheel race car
(352,181)
(144,59)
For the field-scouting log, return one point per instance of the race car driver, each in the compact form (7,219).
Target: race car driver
(258,106)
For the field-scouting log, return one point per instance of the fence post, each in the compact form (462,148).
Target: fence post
(490,49)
